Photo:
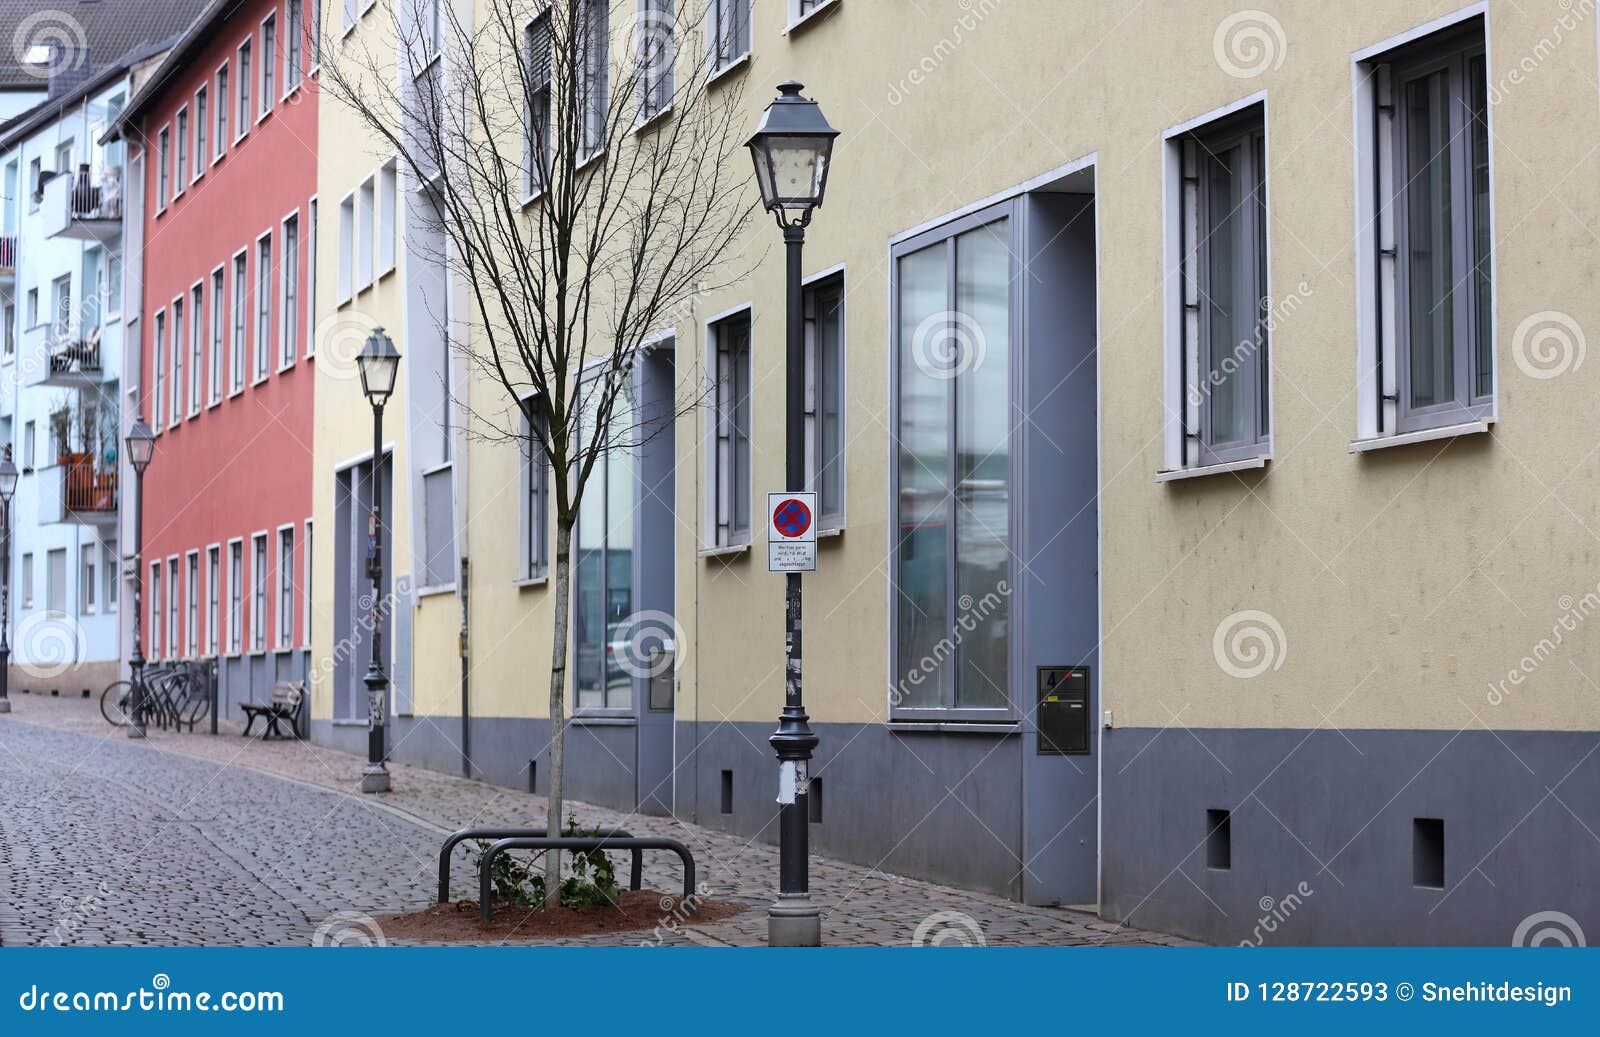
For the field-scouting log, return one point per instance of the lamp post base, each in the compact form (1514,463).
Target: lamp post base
(135,731)
(793,921)
(5,705)
(375,778)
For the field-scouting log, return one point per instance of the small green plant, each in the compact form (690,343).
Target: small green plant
(593,881)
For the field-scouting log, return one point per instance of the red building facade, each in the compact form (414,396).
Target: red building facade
(225,133)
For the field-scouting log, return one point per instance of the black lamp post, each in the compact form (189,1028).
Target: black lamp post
(792,149)
(8,486)
(379,362)
(141,444)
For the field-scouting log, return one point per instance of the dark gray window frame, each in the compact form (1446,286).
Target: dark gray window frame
(533,527)
(1198,151)
(1453,51)
(945,234)
(727,388)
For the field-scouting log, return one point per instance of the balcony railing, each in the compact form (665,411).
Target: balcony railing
(87,486)
(86,205)
(75,355)
(8,253)
(96,196)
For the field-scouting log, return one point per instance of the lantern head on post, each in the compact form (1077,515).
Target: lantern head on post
(379,362)
(792,149)
(8,477)
(141,445)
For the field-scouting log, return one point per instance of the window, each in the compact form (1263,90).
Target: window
(235,592)
(1434,353)
(61,307)
(179,327)
(602,593)
(658,53)
(1222,309)
(213,597)
(347,247)
(159,363)
(244,89)
(825,455)
(289,321)
(311,277)
(438,527)
(241,285)
(27,580)
(269,61)
(113,307)
(594,28)
(197,338)
(728,22)
(155,610)
(295,30)
(952,460)
(219,319)
(730,420)
(55,579)
(36,185)
(286,587)
(163,147)
(8,318)
(263,305)
(258,596)
(174,646)
(181,174)
(29,446)
(351,10)
(191,592)
(536,135)
(798,9)
(33,307)
(305,623)
(387,229)
(87,586)
(202,128)
(113,574)
(365,230)
(535,501)
(222,111)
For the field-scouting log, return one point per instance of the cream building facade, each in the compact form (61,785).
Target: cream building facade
(1201,419)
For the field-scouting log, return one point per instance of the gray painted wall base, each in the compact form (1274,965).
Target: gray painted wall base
(1335,810)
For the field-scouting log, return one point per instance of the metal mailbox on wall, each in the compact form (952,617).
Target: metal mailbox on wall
(1063,711)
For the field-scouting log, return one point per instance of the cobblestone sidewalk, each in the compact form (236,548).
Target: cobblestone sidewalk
(861,906)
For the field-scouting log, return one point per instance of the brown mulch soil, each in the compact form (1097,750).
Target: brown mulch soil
(635,912)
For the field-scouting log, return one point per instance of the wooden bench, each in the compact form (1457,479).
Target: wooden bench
(283,704)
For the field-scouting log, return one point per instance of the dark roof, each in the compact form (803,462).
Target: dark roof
(88,36)
(212,15)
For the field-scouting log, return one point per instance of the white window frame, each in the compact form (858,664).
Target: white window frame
(533,566)
(306,585)
(197,331)
(180,331)
(656,89)
(221,79)
(261,367)
(239,326)
(532,172)
(1377,337)
(828,520)
(799,17)
(388,229)
(243,88)
(347,248)
(174,642)
(191,614)
(158,369)
(202,132)
(284,639)
(712,536)
(157,617)
(217,333)
(266,65)
(366,213)
(213,599)
(180,151)
(718,62)
(163,169)
(311,276)
(293,44)
(260,590)
(289,269)
(88,578)
(236,596)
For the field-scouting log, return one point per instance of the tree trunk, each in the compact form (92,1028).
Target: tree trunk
(558,709)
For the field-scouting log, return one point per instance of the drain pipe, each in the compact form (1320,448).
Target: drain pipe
(466,670)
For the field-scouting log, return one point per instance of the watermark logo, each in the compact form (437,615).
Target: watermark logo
(1274,913)
(1548,344)
(949,929)
(648,644)
(655,44)
(948,344)
(49,42)
(1249,643)
(49,644)
(349,929)
(1248,43)
(338,339)
(1548,929)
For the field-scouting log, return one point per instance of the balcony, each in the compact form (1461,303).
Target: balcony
(85,206)
(65,359)
(8,259)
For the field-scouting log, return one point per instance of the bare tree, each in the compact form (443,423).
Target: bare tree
(588,183)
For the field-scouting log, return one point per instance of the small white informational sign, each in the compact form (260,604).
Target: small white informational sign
(791,532)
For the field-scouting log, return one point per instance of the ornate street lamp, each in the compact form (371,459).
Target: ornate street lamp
(793,150)
(8,486)
(379,363)
(141,443)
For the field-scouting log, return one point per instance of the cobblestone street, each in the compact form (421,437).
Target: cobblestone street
(192,839)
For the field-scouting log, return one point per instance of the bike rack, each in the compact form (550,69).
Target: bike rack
(516,833)
(486,873)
